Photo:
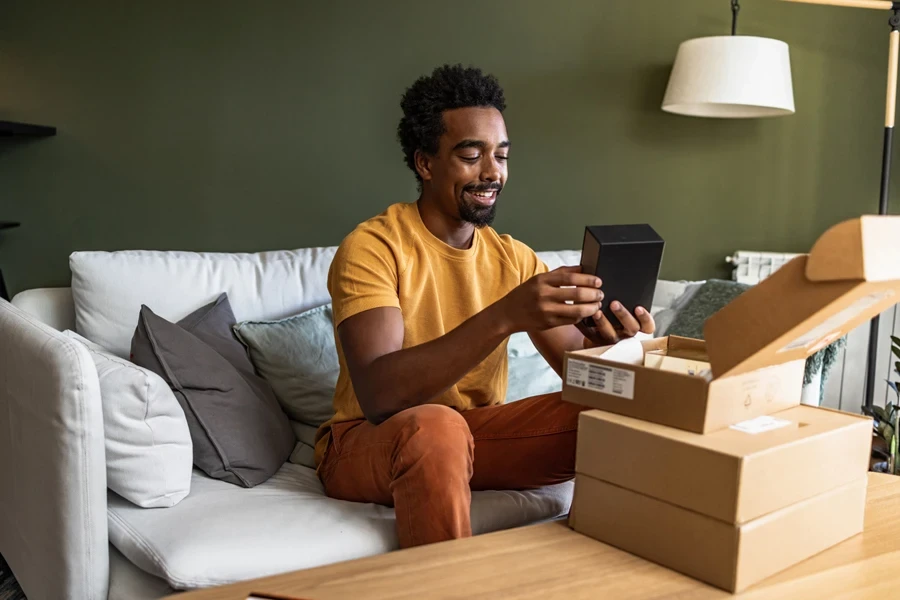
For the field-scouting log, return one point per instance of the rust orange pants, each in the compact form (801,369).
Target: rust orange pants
(425,461)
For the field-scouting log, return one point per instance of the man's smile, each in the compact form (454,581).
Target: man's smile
(483,198)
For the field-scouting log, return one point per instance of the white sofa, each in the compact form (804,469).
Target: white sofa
(65,535)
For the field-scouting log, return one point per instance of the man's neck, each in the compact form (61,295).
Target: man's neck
(452,231)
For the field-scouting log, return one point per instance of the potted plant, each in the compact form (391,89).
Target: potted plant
(887,423)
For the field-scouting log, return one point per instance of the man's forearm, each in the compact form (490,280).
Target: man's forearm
(416,375)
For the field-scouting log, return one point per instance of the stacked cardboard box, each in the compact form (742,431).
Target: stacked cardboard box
(700,457)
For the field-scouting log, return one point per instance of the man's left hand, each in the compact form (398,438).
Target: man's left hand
(604,334)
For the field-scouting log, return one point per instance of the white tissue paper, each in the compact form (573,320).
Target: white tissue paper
(628,351)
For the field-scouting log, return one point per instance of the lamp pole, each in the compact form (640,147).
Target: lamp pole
(890,113)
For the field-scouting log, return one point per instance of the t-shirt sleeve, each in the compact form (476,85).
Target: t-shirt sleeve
(364,275)
(528,262)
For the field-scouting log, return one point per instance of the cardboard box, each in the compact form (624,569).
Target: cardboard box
(680,400)
(757,344)
(688,361)
(736,474)
(732,557)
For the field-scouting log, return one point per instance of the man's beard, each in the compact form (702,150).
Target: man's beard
(479,216)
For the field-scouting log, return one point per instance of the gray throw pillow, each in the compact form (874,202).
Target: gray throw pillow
(239,432)
(710,298)
(298,357)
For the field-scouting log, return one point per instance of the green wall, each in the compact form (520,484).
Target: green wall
(238,126)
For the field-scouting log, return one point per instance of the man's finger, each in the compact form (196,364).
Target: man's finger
(567,269)
(572,279)
(648,324)
(577,312)
(604,331)
(578,295)
(630,325)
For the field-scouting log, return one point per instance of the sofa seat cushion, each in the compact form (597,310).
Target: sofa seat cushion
(223,533)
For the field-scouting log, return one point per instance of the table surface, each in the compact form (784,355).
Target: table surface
(552,561)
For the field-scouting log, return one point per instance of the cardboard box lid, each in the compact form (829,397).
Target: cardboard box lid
(851,275)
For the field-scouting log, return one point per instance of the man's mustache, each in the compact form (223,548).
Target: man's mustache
(489,187)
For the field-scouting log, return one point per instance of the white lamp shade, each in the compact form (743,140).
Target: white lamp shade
(731,77)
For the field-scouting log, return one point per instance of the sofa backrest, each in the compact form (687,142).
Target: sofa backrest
(108,288)
(112,286)
(51,306)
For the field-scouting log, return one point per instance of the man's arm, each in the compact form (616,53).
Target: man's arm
(388,378)
(554,343)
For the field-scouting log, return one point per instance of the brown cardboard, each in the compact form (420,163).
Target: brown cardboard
(675,399)
(851,275)
(732,557)
(735,474)
(688,363)
(758,343)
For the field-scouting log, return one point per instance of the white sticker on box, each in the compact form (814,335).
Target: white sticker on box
(760,424)
(829,331)
(600,378)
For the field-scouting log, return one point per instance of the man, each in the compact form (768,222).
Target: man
(425,296)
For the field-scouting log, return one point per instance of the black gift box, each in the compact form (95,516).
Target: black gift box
(627,258)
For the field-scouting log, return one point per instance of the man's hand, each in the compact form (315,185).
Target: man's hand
(604,334)
(563,296)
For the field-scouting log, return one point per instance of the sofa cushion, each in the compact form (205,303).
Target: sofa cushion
(298,357)
(239,432)
(149,456)
(221,533)
(305,451)
(108,288)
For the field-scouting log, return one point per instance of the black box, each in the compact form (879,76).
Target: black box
(628,259)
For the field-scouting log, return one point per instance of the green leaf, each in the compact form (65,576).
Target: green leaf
(894,387)
(896,340)
(888,433)
(896,350)
(879,412)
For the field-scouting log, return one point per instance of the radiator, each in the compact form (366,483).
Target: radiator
(846,383)
(753,267)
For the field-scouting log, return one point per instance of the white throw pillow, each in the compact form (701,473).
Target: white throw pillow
(149,455)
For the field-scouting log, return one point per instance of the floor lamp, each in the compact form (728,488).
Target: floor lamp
(889,118)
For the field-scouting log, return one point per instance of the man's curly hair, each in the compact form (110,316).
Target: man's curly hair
(448,87)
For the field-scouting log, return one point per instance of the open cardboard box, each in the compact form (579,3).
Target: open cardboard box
(758,344)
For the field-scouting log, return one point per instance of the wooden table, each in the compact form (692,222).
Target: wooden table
(551,561)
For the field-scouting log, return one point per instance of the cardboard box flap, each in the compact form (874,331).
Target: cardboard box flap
(791,316)
(866,249)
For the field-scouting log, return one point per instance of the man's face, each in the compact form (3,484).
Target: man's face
(469,171)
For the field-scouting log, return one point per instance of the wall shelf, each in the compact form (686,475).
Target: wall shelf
(11,129)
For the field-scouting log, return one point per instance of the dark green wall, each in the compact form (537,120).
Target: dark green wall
(239,126)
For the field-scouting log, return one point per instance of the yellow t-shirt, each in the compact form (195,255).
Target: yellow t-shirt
(393,260)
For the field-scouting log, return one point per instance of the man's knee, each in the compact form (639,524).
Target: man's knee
(432,429)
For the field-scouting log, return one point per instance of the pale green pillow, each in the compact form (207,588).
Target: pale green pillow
(298,358)
(529,373)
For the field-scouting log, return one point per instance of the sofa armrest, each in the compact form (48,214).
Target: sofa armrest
(53,522)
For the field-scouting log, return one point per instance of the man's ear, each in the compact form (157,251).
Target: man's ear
(423,165)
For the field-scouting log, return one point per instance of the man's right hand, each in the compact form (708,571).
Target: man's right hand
(563,296)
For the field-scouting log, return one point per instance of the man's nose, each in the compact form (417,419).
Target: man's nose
(491,169)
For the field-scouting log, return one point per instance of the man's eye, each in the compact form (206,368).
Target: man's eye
(470,158)
(502,157)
